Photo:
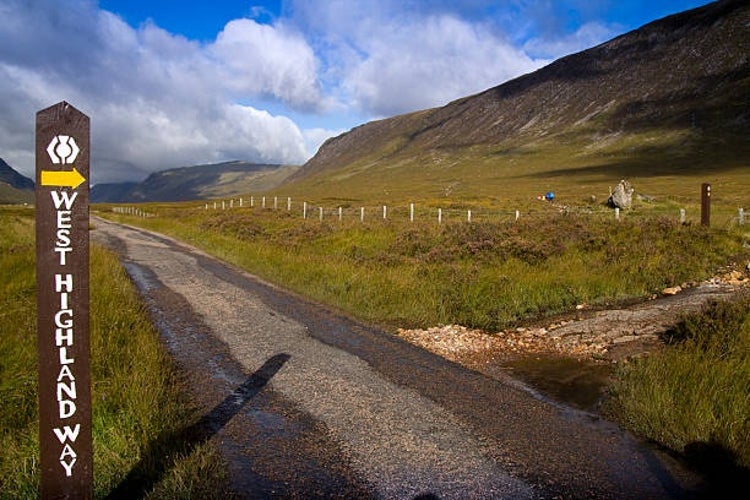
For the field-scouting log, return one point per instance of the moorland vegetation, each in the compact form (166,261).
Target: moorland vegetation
(502,272)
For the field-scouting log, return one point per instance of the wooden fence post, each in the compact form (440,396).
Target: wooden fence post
(706,204)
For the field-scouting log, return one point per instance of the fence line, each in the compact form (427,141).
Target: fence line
(135,211)
(441,214)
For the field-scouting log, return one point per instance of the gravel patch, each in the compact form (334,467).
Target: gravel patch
(607,335)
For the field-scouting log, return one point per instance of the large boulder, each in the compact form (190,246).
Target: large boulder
(622,196)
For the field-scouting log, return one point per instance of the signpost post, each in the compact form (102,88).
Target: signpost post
(62,264)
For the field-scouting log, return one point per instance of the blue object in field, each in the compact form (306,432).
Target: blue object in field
(549,196)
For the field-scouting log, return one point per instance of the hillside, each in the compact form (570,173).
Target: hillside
(669,99)
(14,187)
(196,183)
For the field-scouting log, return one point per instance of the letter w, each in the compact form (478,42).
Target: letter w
(67,433)
(59,197)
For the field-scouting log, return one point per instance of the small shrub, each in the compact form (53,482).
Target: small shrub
(717,329)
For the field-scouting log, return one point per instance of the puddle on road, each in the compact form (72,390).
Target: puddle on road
(577,383)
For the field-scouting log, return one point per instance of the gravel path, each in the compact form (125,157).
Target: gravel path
(313,404)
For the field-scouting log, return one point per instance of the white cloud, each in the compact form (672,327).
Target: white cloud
(263,59)
(425,64)
(154,138)
(384,57)
(155,100)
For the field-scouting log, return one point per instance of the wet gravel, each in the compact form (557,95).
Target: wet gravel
(571,359)
(305,402)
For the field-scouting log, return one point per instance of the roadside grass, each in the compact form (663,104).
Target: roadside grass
(488,274)
(19,448)
(695,396)
(493,274)
(136,395)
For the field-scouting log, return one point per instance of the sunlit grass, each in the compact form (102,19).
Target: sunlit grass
(488,273)
(136,397)
(697,392)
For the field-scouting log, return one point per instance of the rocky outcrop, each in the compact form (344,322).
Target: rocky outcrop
(622,196)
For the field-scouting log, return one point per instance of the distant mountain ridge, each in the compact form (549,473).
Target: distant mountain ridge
(11,177)
(14,187)
(676,89)
(195,183)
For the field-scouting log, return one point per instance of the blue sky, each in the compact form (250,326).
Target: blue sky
(169,83)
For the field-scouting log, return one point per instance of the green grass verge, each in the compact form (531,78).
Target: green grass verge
(695,396)
(489,274)
(136,395)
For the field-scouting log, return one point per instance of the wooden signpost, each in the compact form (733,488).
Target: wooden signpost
(62,264)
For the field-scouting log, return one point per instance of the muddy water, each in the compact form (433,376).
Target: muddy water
(577,383)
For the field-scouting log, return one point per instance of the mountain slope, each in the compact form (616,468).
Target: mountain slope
(14,187)
(196,183)
(669,98)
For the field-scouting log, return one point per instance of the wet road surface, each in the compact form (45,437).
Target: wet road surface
(304,402)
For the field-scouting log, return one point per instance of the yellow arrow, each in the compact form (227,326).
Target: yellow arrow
(62,178)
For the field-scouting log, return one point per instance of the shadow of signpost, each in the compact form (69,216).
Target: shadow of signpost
(720,467)
(160,455)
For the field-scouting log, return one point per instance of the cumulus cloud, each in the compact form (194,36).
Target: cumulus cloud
(272,60)
(387,57)
(426,64)
(156,100)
